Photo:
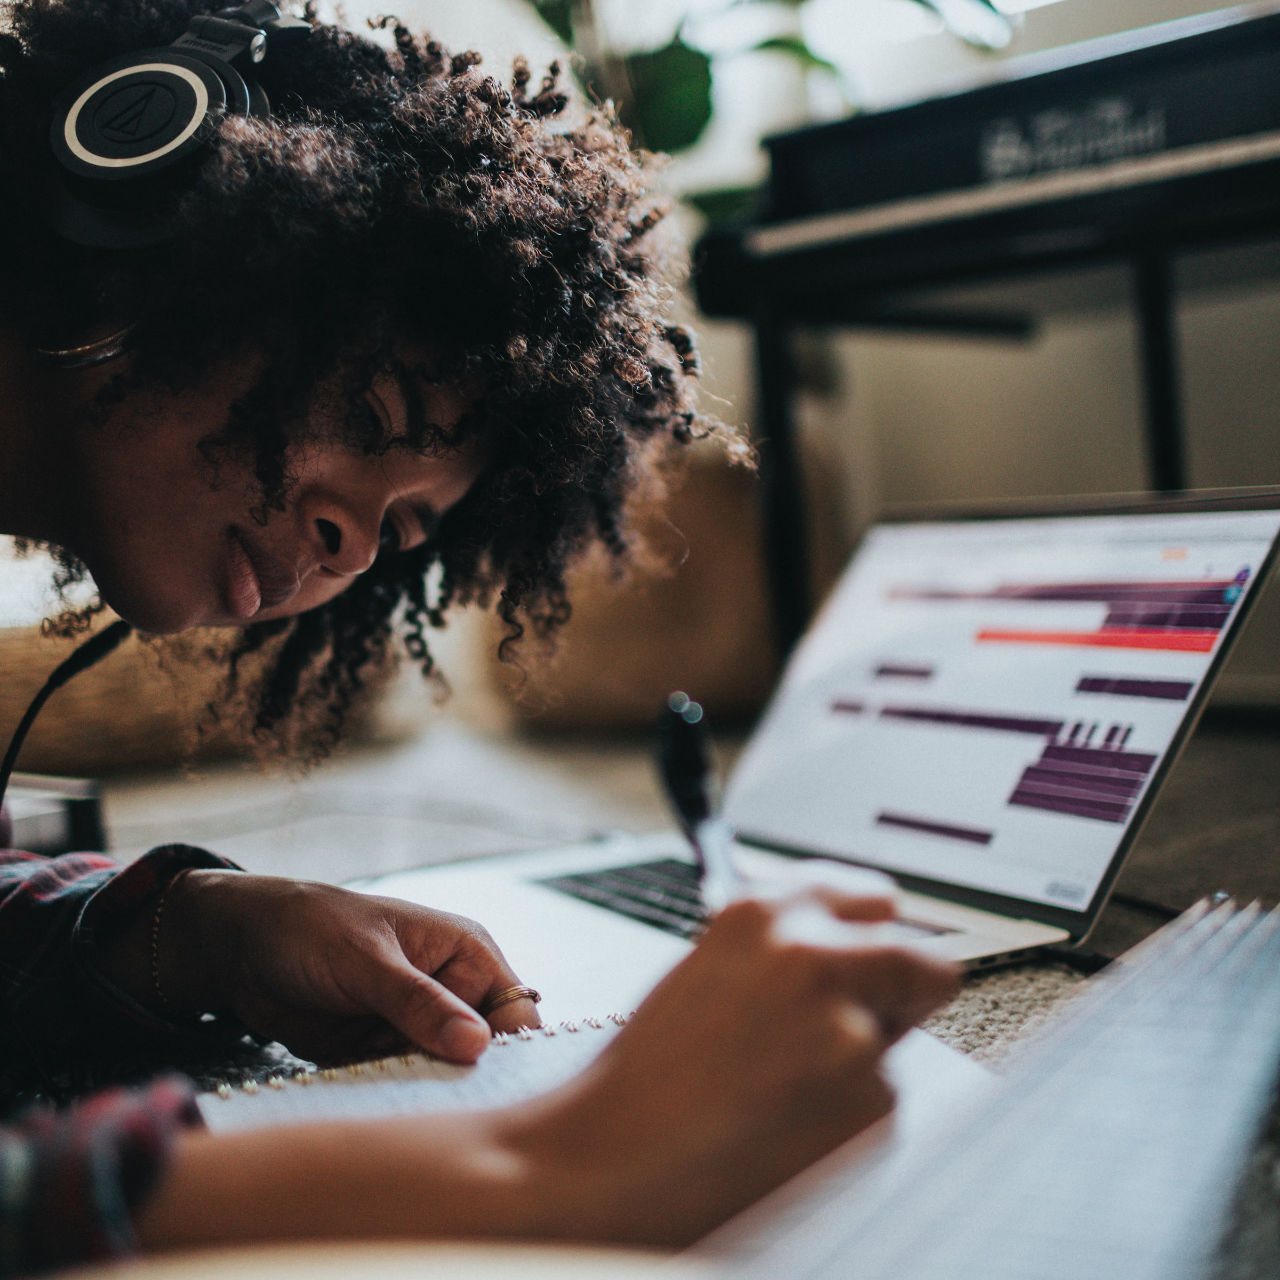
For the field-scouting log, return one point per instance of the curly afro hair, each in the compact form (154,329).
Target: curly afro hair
(396,196)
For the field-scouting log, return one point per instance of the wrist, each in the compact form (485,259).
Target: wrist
(578,1165)
(190,943)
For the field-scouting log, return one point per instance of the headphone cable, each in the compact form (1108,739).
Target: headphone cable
(91,651)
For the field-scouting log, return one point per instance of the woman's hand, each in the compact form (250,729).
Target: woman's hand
(758,1054)
(330,973)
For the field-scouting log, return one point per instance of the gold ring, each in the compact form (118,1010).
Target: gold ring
(507,996)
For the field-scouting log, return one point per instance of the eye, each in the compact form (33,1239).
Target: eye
(368,417)
(389,540)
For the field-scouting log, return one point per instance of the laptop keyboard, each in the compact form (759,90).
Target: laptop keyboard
(663,893)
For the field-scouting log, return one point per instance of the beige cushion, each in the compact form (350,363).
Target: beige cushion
(698,619)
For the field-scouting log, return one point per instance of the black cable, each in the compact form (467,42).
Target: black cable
(1081,959)
(93,650)
(1145,904)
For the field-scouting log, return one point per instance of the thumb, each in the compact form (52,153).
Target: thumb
(428,1014)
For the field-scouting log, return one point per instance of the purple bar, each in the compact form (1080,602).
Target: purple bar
(1132,687)
(1050,781)
(1206,591)
(1201,616)
(847,707)
(1079,803)
(1080,808)
(949,832)
(1127,761)
(976,720)
(901,671)
(1077,770)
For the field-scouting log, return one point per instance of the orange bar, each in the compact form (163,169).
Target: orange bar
(1115,638)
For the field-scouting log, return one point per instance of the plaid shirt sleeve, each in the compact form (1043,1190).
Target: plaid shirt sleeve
(58,1011)
(70,1180)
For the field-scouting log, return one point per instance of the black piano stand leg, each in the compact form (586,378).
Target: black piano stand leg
(1158,350)
(782,488)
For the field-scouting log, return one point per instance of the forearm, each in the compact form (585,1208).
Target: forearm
(754,1057)
(465,1176)
(583,1165)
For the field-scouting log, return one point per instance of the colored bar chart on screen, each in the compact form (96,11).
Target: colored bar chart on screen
(1182,640)
(1074,774)
(976,719)
(1177,617)
(990,704)
(1136,687)
(1089,782)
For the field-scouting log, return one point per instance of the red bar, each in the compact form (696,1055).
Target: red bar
(1113,638)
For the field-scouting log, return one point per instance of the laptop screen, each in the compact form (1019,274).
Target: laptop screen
(986,703)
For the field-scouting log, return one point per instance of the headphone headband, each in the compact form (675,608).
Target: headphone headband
(126,134)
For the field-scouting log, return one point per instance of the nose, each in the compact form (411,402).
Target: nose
(350,544)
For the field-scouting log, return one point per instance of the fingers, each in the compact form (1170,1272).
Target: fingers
(511,1015)
(849,893)
(900,986)
(475,970)
(862,908)
(818,947)
(428,1014)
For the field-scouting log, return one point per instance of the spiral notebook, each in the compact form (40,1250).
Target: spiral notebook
(932,1081)
(515,1067)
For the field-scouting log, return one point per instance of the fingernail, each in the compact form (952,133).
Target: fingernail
(463,1037)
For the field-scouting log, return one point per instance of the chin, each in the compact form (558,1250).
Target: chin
(146,612)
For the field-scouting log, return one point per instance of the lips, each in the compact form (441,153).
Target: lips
(258,580)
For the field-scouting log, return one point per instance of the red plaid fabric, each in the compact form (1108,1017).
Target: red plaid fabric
(70,1178)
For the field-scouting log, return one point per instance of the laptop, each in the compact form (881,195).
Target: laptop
(984,710)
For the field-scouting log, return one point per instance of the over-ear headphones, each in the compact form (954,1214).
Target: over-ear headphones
(126,135)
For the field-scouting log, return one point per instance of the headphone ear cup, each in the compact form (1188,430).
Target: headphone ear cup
(138,117)
(125,136)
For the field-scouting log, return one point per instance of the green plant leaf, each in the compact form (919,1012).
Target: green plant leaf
(795,47)
(724,204)
(670,95)
(558,15)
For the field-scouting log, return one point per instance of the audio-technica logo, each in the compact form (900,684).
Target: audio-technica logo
(136,113)
(1070,138)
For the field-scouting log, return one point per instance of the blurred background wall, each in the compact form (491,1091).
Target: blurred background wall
(885,417)
(890,418)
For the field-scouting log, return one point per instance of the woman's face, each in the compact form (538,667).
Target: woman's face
(173,542)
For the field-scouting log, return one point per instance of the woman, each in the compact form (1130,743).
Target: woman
(366,336)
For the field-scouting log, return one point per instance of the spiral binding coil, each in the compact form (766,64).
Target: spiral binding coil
(226,1089)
